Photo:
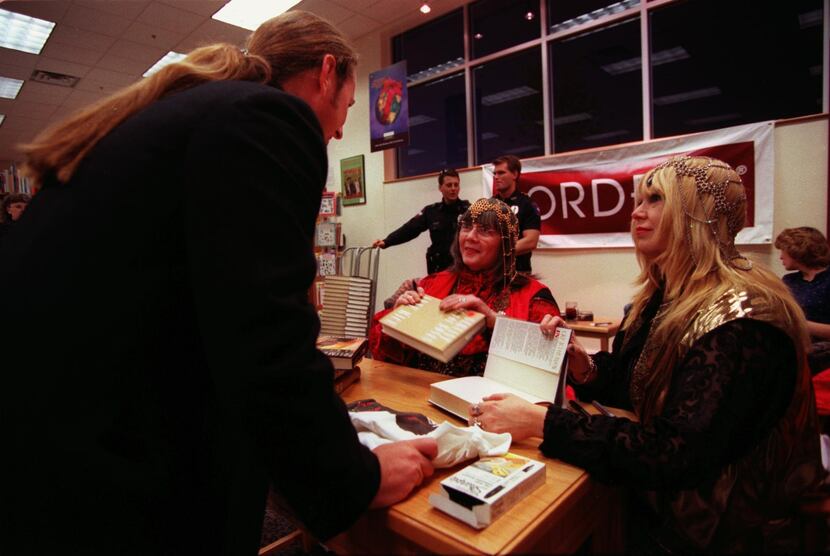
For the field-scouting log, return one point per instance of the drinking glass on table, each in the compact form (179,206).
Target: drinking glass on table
(570,310)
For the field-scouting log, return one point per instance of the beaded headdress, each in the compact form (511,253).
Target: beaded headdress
(508,225)
(733,211)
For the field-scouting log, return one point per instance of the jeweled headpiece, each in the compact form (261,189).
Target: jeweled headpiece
(733,211)
(508,225)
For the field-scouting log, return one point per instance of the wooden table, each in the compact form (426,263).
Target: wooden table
(557,517)
(601,328)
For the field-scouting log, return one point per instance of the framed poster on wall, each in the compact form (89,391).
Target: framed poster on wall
(388,107)
(352,181)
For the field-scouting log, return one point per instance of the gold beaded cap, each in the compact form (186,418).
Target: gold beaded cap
(492,211)
(700,170)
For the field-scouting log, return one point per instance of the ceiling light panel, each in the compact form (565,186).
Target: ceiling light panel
(169,58)
(10,87)
(508,95)
(248,14)
(24,33)
(687,96)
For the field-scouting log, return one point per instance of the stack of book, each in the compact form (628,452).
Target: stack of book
(344,354)
(347,305)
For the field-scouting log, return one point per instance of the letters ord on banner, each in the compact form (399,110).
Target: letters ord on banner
(586,199)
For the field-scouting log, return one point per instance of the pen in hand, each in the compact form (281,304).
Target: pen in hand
(579,409)
(602,409)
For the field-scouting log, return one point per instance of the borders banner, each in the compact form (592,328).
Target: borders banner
(388,107)
(586,199)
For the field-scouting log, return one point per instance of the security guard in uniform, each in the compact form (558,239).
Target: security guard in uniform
(505,177)
(441,219)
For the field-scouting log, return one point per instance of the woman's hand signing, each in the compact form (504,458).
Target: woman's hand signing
(470,302)
(410,297)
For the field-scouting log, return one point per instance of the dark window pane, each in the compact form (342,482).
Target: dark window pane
(597,88)
(508,104)
(564,14)
(437,127)
(499,24)
(717,64)
(433,47)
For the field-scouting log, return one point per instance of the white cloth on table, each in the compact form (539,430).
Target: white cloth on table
(455,444)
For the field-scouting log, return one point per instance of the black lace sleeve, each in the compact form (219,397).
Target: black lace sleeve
(733,385)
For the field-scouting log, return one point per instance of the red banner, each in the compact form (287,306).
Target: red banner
(601,199)
(586,199)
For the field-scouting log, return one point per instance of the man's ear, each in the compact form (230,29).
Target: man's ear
(328,74)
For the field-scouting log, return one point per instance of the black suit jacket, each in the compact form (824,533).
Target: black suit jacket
(159,350)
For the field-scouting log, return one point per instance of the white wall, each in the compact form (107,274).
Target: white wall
(599,279)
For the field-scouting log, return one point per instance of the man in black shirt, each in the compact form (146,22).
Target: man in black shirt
(441,219)
(505,177)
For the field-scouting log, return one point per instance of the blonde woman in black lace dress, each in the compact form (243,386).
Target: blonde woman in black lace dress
(712,361)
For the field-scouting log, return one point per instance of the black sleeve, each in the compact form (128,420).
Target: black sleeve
(531,220)
(254,173)
(731,388)
(413,227)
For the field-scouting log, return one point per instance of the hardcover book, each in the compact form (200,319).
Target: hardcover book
(484,490)
(343,378)
(430,330)
(327,234)
(326,264)
(520,361)
(344,353)
(328,204)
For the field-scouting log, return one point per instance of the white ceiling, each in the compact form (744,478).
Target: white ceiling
(110,43)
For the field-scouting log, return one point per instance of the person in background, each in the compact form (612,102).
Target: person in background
(484,279)
(439,218)
(13,206)
(712,361)
(506,172)
(805,251)
(164,368)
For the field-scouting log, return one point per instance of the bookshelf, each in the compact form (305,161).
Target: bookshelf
(328,244)
(11,181)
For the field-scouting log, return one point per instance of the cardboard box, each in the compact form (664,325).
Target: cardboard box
(484,490)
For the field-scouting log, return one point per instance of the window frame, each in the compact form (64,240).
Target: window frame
(642,10)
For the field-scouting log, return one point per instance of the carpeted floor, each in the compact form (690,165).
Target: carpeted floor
(276,525)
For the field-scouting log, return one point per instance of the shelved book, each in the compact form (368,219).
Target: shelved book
(520,361)
(326,263)
(343,352)
(430,330)
(486,489)
(327,234)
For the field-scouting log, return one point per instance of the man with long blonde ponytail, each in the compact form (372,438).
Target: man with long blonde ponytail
(163,368)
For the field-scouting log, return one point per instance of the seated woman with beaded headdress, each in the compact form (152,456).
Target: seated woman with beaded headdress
(712,361)
(483,279)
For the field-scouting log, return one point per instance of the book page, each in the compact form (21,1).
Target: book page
(523,341)
(526,381)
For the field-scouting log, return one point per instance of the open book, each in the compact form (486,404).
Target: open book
(520,361)
(430,330)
